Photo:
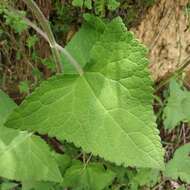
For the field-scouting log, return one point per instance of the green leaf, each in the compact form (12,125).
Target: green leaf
(88,4)
(120,172)
(107,111)
(179,165)
(31,41)
(49,63)
(24,87)
(100,7)
(88,177)
(15,21)
(24,157)
(63,161)
(146,177)
(77,3)
(80,3)
(6,106)
(177,107)
(112,4)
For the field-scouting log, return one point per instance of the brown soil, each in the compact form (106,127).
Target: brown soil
(165,31)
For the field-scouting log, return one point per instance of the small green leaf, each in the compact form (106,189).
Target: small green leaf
(80,3)
(24,87)
(112,4)
(93,177)
(100,7)
(26,157)
(77,3)
(49,62)
(2,8)
(146,177)
(88,4)
(179,165)
(177,107)
(15,21)
(63,161)
(31,41)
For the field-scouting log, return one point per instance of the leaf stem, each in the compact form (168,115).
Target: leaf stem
(46,27)
(71,60)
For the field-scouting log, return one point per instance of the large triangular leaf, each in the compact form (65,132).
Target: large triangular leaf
(107,111)
(26,157)
(179,165)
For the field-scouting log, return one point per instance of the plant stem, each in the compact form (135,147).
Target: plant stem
(71,60)
(46,27)
(58,47)
(179,71)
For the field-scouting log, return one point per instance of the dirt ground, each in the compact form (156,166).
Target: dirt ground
(165,30)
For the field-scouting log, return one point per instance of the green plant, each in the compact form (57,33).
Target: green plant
(99,5)
(63,19)
(12,19)
(91,127)
(31,41)
(24,87)
(92,91)
(49,63)
(178,166)
(177,106)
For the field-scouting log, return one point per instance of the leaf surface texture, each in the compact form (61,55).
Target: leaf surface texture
(107,111)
